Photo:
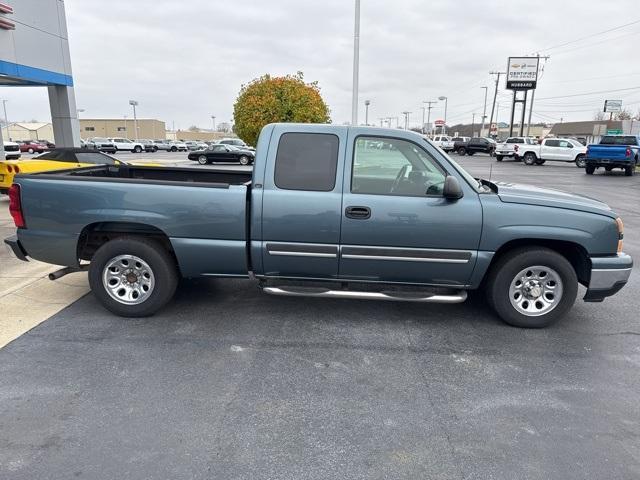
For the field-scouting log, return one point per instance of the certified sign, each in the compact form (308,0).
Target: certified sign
(439,123)
(613,106)
(522,73)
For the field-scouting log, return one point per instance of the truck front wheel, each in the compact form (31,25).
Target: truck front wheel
(532,287)
(133,277)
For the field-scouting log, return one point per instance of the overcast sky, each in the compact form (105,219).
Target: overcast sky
(185,61)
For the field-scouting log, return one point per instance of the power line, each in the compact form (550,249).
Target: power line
(588,45)
(591,93)
(588,36)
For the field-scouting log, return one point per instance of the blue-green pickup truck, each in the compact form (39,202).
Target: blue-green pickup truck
(329,211)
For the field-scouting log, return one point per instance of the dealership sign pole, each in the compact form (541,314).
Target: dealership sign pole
(522,75)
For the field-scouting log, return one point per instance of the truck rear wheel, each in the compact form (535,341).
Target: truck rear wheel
(133,277)
(499,158)
(529,158)
(630,170)
(462,151)
(532,287)
(589,169)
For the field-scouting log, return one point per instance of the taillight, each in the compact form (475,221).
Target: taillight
(9,169)
(620,227)
(15,206)
(16,169)
(628,152)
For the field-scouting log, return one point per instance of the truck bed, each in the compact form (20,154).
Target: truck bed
(202,212)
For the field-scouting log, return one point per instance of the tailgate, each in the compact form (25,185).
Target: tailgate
(609,152)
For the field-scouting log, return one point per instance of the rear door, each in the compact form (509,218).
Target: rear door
(549,150)
(302,201)
(396,225)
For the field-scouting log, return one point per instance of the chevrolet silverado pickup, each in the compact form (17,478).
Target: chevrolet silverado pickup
(328,213)
(550,149)
(614,151)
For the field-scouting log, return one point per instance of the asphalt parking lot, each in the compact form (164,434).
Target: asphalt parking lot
(228,382)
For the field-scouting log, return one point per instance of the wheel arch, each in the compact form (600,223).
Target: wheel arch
(575,253)
(94,235)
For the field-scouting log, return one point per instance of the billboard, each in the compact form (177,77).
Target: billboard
(613,106)
(34,47)
(522,73)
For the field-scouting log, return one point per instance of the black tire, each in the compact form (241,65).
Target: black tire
(154,149)
(462,151)
(244,160)
(540,161)
(608,169)
(155,255)
(581,161)
(529,158)
(137,149)
(174,149)
(505,270)
(630,171)
(470,153)
(589,169)
(499,158)
(203,160)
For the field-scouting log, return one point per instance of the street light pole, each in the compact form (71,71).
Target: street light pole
(473,123)
(484,110)
(429,107)
(356,65)
(6,119)
(366,112)
(213,121)
(446,101)
(406,119)
(134,104)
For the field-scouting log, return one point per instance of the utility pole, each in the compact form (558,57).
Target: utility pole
(406,119)
(366,112)
(429,107)
(446,101)
(484,110)
(213,120)
(473,123)
(6,118)
(382,119)
(495,95)
(533,95)
(356,66)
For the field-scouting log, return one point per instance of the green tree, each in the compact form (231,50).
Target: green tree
(270,99)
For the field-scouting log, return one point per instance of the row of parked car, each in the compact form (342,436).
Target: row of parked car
(613,151)
(117,144)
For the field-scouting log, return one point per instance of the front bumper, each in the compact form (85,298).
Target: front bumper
(16,247)
(608,276)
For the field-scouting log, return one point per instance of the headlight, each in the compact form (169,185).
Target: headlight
(620,226)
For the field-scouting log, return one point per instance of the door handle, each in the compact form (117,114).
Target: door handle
(359,213)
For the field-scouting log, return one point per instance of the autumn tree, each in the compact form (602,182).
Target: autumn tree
(270,99)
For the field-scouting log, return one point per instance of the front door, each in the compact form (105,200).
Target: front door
(565,151)
(302,202)
(550,149)
(396,224)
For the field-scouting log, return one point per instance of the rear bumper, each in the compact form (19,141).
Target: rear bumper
(16,247)
(608,276)
(613,162)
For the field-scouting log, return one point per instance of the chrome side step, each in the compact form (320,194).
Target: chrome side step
(458,297)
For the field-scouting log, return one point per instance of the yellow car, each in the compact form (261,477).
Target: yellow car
(58,159)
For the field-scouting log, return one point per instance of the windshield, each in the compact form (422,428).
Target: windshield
(619,140)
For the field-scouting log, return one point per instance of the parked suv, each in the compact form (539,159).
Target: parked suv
(162,145)
(148,145)
(11,151)
(101,144)
(126,144)
(440,140)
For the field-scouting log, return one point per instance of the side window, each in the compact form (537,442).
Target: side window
(307,161)
(389,166)
(512,140)
(564,144)
(552,143)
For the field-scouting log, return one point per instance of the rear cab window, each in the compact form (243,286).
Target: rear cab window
(307,161)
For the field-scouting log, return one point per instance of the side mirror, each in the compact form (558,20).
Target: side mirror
(451,189)
(569,145)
